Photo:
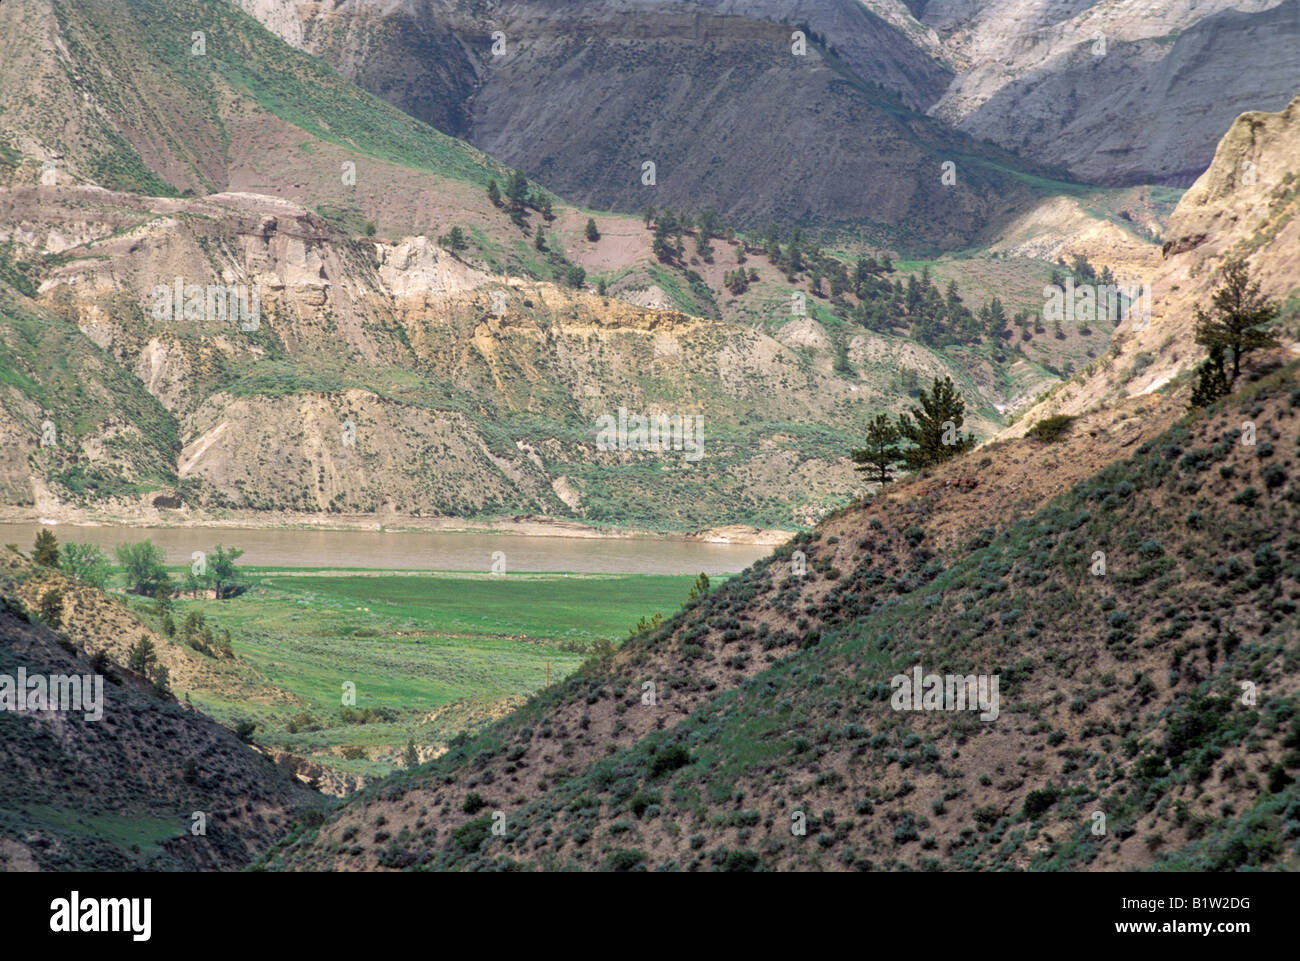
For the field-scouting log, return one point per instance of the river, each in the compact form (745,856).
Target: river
(421,551)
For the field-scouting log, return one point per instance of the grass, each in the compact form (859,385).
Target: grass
(412,644)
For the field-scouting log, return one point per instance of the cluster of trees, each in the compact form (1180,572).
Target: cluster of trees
(1232,328)
(519,198)
(198,634)
(935,318)
(737,281)
(142,566)
(927,434)
(1083,273)
(671,228)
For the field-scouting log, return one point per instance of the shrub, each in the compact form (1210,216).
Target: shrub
(669,759)
(1040,801)
(1051,429)
(624,860)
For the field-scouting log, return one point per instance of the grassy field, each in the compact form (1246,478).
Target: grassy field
(430,655)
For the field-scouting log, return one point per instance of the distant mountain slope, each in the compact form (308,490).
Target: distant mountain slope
(1120,692)
(1119,92)
(584,95)
(120,793)
(183,95)
(1247,204)
(1116,93)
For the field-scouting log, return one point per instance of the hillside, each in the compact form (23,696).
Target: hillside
(1120,693)
(118,793)
(584,95)
(1244,206)
(1117,93)
(1122,92)
(394,373)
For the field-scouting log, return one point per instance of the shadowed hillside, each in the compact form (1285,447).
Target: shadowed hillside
(119,793)
(1120,691)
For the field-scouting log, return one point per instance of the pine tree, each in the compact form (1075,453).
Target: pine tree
(881,451)
(517,190)
(411,757)
(142,657)
(1233,326)
(592,233)
(934,428)
(1211,380)
(494,192)
(52,609)
(46,549)
(997,319)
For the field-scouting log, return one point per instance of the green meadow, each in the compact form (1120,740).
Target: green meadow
(429,655)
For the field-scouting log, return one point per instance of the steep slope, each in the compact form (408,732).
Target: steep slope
(1118,92)
(582,96)
(70,417)
(120,792)
(471,380)
(1121,692)
(454,408)
(192,96)
(1245,205)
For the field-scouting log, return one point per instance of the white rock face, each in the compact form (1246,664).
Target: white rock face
(1119,92)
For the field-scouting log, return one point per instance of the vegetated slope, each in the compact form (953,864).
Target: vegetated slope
(584,95)
(1119,92)
(70,416)
(187,95)
(365,320)
(468,393)
(120,793)
(1120,693)
(1247,205)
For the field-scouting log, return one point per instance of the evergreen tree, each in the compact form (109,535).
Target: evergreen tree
(1233,326)
(997,319)
(52,609)
(494,192)
(663,248)
(881,451)
(142,656)
(517,190)
(934,428)
(1211,380)
(453,239)
(46,549)
(592,233)
(411,757)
